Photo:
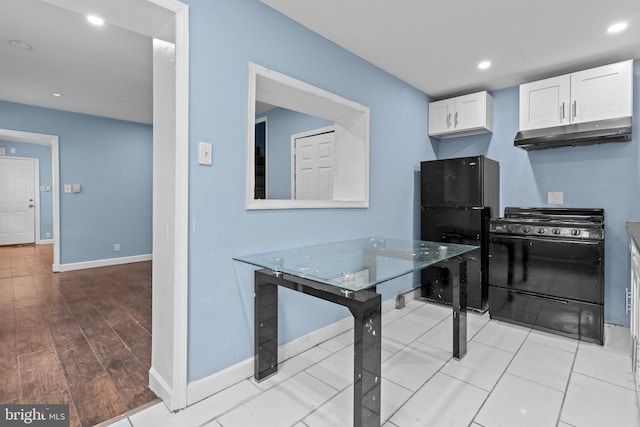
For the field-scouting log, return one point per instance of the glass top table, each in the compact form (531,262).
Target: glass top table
(347,273)
(349,264)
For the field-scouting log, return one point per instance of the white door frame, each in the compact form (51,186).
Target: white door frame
(174,386)
(49,141)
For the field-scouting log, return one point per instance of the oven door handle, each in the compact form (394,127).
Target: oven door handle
(560,300)
(551,297)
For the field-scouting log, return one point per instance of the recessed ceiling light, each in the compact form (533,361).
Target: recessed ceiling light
(56,94)
(484,65)
(617,27)
(95,20)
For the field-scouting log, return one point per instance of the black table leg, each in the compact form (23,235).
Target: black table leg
(367,362)
(365,306)
(266,327)
(458,276)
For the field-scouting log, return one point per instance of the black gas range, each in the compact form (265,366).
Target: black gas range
(546,270)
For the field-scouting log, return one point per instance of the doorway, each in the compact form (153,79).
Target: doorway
(168,373)
(52,142)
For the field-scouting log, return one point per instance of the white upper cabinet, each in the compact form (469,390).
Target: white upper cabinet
(464,115)
(585,96)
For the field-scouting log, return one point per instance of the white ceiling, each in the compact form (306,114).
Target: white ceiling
(103,71)
(434,46)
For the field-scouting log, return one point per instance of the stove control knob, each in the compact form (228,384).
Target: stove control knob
(575,232)
(509,228)
(541,230)
(526,229)
(556,231)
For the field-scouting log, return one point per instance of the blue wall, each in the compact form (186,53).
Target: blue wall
(43,154)
(600,176)
(224,36)
(227,34)
(112,161)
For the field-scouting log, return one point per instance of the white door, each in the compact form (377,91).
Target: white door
(545,103)
(17,201)
(314,167)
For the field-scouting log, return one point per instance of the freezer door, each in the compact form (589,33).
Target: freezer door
(451,182)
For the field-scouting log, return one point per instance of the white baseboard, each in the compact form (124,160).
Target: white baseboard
(159,386)
(105,262)
(208,386)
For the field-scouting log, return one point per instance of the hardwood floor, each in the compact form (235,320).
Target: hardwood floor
(81,337)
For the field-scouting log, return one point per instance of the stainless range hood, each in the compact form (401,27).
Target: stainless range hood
(598,132)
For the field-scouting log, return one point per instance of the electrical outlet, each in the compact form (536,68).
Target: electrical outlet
(67,188)
(555,197)
(116,247)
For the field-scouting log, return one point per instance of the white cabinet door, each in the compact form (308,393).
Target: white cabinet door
(545,103)
(602,93)
(441,116)
(470,111)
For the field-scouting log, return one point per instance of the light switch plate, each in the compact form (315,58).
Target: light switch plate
(555,197)
(67,188)
(205,153)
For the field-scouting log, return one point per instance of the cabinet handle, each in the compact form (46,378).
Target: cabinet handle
(449,120)
(575,109)
(562,117)
(455,119)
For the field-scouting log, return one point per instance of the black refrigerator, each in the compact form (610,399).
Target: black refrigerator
(458,197)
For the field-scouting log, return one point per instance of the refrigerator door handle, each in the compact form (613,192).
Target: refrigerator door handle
(449,235)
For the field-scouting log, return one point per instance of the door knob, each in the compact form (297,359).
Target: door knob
(30,206)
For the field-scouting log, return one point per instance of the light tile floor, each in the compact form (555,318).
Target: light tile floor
(511,376)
